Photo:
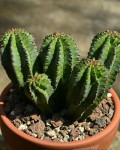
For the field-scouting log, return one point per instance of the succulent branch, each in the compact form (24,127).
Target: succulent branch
(38,89)
(106,47)
(87,85)
(18,55)
(58,56)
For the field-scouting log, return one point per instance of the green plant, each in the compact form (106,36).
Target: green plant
(18,55)
(38,89)
(86,88)
(55,78)
(58,56)
(106,47)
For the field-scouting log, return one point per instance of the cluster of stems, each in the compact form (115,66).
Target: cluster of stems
(55,78)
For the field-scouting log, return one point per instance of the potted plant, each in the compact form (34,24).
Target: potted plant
(56,100)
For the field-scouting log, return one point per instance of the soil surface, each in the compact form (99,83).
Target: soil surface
(25,116)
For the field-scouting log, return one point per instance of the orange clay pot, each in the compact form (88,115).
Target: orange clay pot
(17,140)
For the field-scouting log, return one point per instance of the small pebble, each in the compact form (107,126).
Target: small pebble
(111,112)
(48,128)
(25,119)
(53,137)
(109,95)
(42,137)
(86,126)
(66,138)
(61,140)
(81,137)
(64,127)
(74,133)
(91,124)
(63,132)
(92,131)
(107,119)
(68,130)
(71,127)
(33,134)
(81,129)
(79,124)
(35,118)
(28,123)
(56,123)
(51,133)
(17,122)
(37,127)
(110,116)
(22,127)
(101,122)
(57,129)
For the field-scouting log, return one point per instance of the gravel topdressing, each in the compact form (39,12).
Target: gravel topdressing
(25,116)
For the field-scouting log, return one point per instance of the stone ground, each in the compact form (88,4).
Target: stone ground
(81,19)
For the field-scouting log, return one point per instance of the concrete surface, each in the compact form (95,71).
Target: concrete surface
(80,18)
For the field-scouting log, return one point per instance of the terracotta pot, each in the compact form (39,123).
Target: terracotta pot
(17,140)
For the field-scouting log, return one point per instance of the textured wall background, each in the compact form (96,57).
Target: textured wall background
(80,18)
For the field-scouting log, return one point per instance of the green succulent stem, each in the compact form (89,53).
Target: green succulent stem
(87,85)
(18,55)
(106,48)
(58,56)
(38,89)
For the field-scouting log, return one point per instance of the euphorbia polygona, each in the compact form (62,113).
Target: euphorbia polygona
(18,55)
(38,89)
(58,56)
(44,75)
(106,47)
(86,88)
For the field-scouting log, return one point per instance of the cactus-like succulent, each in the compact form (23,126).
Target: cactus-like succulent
(38,89)
(86,88)
(106,47)
(64,81)
(18,55)
(58,56)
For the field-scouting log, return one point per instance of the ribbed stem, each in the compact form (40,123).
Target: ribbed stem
(106,48)
(19,55)
(38,89)
(58,56)
(86,88)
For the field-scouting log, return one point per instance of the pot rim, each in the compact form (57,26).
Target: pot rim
(62,145)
